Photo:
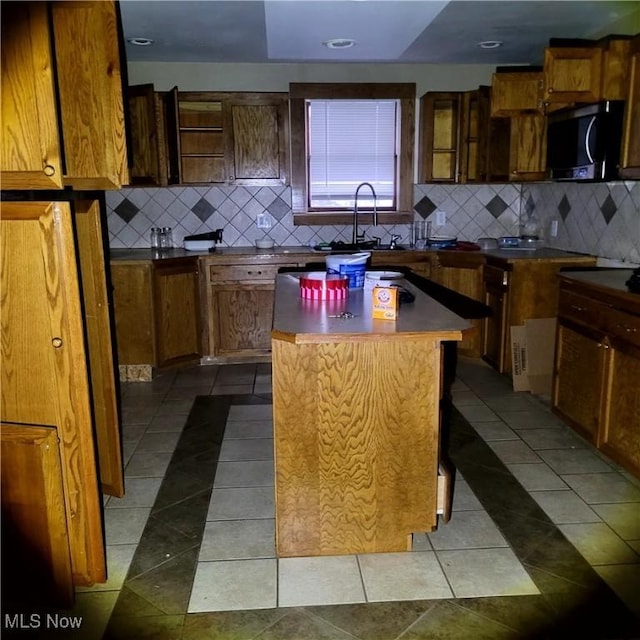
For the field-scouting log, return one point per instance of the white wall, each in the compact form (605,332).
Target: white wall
(203,76)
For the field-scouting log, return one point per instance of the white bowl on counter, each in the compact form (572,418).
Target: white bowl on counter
(264,243)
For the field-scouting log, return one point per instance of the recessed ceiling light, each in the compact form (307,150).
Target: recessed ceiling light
(490,44)
(140,42)
(339,43)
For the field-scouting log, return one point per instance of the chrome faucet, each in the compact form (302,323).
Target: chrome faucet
(356,236)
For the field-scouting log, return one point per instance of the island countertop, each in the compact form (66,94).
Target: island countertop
(298,320)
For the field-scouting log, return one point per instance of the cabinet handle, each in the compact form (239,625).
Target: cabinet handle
(56,342)
(550,90)
(49,170)
(576,307)
(626,328)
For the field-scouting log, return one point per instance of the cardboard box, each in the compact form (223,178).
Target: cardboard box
(532,353)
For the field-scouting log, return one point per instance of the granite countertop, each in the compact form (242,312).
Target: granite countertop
(603,278)
(155,254)
(300,320)
(544,253)
(508,255)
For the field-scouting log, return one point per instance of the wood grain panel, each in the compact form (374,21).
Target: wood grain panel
(578,398)
(39,257)
(99,344)
(133,308)
(356,442)
(177,310)
(30,142)
(243,317)
(619,436)
(89,78)
(34,527)
(256,141)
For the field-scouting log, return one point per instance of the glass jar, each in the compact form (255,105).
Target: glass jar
(155,238)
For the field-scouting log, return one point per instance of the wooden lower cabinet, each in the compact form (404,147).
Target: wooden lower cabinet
(519,289)
(238,312)
(157,311)
(35,540)
(462,272)
(596,373)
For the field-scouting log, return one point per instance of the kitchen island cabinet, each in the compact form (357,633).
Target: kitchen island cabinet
(356,421)
(597,362)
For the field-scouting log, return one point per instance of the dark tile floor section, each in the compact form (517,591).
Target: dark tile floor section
(574,602)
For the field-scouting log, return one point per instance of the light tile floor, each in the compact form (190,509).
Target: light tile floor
(594,502)
(232,545)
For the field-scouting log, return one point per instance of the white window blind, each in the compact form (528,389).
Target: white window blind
(350,142)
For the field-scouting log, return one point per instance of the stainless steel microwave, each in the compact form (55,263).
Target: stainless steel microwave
(583,142)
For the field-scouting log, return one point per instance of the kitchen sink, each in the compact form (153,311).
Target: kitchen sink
(340,247)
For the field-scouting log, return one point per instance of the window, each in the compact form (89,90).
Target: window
(345,134)
(350,142)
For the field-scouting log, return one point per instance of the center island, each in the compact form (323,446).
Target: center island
(356,410)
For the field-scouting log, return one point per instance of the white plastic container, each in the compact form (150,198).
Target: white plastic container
(382,278)
(352,265)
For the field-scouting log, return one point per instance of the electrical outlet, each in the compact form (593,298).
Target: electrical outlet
(263,220)
(441,218)
(554,228)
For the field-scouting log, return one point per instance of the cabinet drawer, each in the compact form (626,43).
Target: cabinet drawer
(244,272)
(583,310)
(619,324)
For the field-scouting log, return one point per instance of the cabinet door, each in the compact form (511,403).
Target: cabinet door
(44,361)
(30,141)
(133,310)
(619,435)
(495,328)
(578,378)
(242,319)
(468,282)
(146,123)
(630,164)
(34,525)
(257,133)
(88,65)
(98,320)
(517,92)
(528,148)
(439,137)
(176,311)
(572,74)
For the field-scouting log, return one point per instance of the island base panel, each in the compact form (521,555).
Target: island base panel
(356,427)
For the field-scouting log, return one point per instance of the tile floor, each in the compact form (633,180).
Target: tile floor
(544,541)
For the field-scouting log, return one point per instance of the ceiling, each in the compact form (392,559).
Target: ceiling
(386,31)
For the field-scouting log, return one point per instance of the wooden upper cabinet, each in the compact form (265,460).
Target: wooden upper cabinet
(31,156)
(89,66)
(630,163)
(572,74)
(528,148)
(62,105)
(439,136)
(230,138)
(148,141)
(515,92)
(257,134)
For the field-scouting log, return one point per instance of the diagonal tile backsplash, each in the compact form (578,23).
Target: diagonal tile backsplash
(601,219)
